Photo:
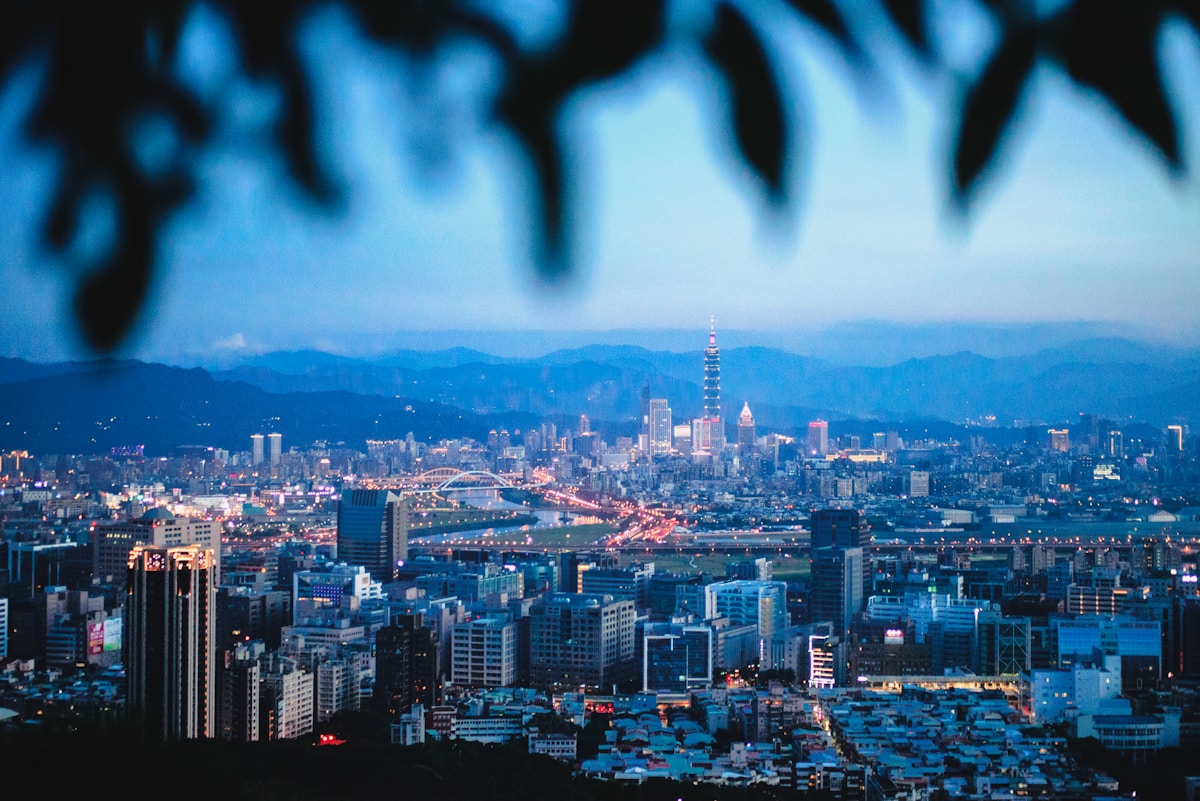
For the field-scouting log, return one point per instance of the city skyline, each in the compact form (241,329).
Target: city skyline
(1078,223)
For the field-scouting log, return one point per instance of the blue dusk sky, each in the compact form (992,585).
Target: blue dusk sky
(1079,221)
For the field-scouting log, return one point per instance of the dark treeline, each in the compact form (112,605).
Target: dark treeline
(118,762)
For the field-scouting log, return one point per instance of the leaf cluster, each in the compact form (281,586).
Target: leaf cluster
(111,73)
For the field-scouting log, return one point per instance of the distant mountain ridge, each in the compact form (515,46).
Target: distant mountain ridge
(312,395)
(1117,378)
(105,405)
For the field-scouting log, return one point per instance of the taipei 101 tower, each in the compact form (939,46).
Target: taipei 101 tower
(712,375)
(712,390)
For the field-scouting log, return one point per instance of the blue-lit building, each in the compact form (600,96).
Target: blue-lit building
(372,531)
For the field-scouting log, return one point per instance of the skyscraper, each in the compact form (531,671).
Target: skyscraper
(112,543)
(274,448)
(645,409)
(372,531)
(712,375)
(745,430)
(660,427)
(836,587)
(256,449)
(837,528)
(168,646)
(818,438)
(708,431)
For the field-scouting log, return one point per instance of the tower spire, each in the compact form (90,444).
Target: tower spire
(712,374)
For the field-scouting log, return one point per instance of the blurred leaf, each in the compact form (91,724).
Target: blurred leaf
(1190,9)
(108,300)
(988,108)
(62,220)
(21,26)
(829,18)
(606,37)
(528,107)
(267,36)
(1111,46)
(758,120)
(909,17)
(164,20)
(603,39)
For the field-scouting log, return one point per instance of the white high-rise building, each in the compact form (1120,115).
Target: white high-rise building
(661,428)
(484,653)
(746,602)
(289,692)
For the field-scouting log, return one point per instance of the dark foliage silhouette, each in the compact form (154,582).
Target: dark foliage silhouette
(109,69)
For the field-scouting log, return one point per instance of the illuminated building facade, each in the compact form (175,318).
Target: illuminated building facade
(158,528)
(660,427)
(708,432)
(168,645)
(745,430)
(712,376)
(818,438)
(1175,439)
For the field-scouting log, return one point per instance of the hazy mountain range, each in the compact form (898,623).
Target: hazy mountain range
(311,395)
(1116,378)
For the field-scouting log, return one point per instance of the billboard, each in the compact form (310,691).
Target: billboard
(112,634)
(95,638)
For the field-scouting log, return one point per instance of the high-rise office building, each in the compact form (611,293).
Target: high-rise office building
(661,428)
(168,641)
(1060,439)
(372,531)
(256,449)
(758,603)
(745,430)
(837,528)
(631,583)
(818,438)
(274,448)
(581,641)
(157,527)
(645,418)
(836,587)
